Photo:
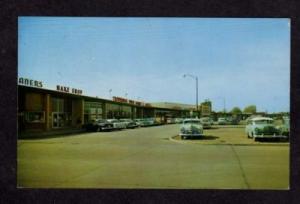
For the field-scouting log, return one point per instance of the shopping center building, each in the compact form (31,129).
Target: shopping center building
(41,109)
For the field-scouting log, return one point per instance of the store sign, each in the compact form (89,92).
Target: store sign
(205,109)
(124,100)
(30,82)
(68,90)
(119,99)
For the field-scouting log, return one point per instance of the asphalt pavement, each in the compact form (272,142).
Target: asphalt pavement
(150,158)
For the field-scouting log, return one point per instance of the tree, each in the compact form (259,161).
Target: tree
(250,109)
(236,111)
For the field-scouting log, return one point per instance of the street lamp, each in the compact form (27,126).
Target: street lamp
(110,90)
(196,78)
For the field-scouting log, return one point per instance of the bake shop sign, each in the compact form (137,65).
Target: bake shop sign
(68,90)
(30,82)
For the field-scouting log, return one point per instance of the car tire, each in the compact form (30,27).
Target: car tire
(183,137)
(248,136)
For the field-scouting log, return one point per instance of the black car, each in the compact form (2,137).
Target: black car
(99,125)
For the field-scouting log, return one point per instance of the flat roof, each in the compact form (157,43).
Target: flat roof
(261,118)
(89,98)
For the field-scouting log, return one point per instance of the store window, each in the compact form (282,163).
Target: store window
(92,111)
(61,112)
(57,105)
(118,111)
(35,117)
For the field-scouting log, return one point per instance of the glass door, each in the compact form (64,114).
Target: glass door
(58,120)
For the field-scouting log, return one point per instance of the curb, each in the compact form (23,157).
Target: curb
(232,144)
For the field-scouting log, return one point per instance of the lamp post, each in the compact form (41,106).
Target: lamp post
(110,90)
(196,78)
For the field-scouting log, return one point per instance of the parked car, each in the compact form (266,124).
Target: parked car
(191,128)
(222,121)
(206,122)
(143,122)
(149,121)
(262,127)
(178,120)
(117,124)
(139,122)
(99,125)
(170,120)
(285,127)
(232,120)
(129,123)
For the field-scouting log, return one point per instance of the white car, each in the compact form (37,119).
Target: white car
(222,121)
(191,128)
(206,122)
(262,127)
(117,124)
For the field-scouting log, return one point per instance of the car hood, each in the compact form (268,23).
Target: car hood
(191,126)
(262,126)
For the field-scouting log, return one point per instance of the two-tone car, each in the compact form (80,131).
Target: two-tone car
(262,127)
(191,128)
(129,123)
(118,125)
(99,125)
(285,127)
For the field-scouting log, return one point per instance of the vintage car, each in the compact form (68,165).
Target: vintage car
(170,121)
(129,123)
(232,120)
(139,122)
(222,121)
(99,125)
(191,128)
(150,121)
(206,122)
(284,129)
(117,124)
(262,127)
(178,120)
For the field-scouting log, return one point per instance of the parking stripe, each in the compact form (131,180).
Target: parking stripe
(241,167)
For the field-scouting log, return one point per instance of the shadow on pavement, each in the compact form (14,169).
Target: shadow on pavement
(265,140)
(204,137)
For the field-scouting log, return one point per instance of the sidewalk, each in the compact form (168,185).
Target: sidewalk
(49,134)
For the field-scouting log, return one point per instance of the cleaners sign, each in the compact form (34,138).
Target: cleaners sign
(30,82)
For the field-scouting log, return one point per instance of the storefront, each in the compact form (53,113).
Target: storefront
(93,110)
(43,110)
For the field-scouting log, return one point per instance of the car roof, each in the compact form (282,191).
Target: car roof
(261,118)
(191,119)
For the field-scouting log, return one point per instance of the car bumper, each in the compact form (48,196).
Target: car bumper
(107,128)
(191,134)
(270,136)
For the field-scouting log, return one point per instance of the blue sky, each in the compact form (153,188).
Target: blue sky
(245,61)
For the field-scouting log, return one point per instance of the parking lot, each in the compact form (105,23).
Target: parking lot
(230,134)
(154,157)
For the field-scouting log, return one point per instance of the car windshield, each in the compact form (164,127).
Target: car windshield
(286,121)
(263,122)
(196,122)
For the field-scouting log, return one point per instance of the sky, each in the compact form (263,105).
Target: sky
(238,61)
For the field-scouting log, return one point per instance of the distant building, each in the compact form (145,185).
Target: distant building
(179,106)
(205,108)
